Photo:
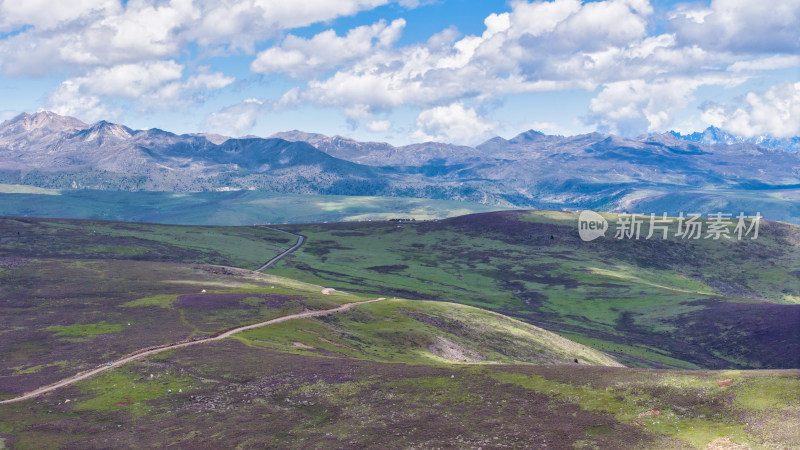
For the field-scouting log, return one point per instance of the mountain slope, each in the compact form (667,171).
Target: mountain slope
(59,152)
(428,332)
(383,154)
(593,170)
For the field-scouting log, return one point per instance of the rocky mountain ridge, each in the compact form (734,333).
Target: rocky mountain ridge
(529,170)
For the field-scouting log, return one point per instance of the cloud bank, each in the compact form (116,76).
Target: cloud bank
(165,55)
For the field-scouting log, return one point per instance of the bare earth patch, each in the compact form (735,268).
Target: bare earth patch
(725,383)
(449,350)
(652,412)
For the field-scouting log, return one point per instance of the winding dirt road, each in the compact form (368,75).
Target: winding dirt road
(155,350)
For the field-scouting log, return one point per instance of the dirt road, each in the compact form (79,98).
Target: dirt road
(300,240)
(155,350)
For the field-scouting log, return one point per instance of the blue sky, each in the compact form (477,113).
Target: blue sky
(408,70)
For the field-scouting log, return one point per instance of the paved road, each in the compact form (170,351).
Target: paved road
(300,240)
(155,350)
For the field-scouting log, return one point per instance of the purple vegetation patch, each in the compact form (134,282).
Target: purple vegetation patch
(764,334)
(7,262)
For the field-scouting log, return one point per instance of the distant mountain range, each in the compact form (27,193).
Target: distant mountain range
(714,135)
(530,170)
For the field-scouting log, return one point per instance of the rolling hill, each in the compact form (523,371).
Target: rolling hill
(391,373)
(714,304)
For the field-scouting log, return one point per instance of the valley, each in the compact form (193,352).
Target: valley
(223,208)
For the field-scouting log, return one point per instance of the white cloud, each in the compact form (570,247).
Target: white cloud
(540,18)
(544,46)
(152,84)
(358,112)
(235,120)
(127,50)
(630,108)
(775,112)
(537,47)
(69,100)
(100,37)
(49,36)
(131,80)
(744,26)
(205,79)
(240,24)
(46,14)
(289,99)
(299,57)
(633,107)
(452,123)
(145,29)
(769,63)
(694,14)
(379,126)
(608,23)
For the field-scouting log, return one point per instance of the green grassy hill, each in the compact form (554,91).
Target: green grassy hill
(654,303)
(425,332)
(651,303)
(394,373)
(244,247)
(364,379)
